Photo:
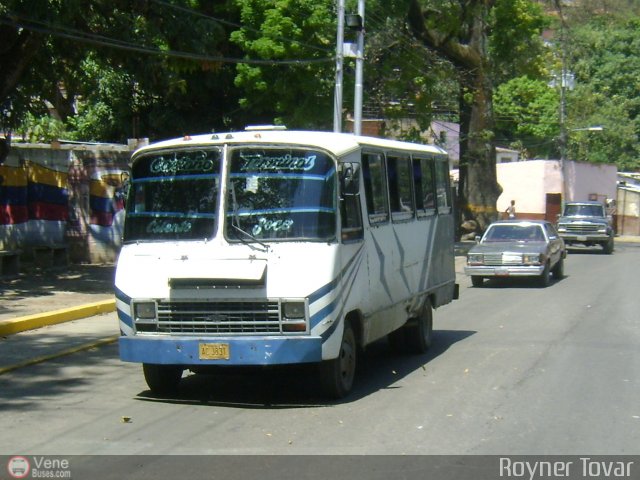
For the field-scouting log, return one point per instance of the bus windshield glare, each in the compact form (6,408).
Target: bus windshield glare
(281,194)
(173,196)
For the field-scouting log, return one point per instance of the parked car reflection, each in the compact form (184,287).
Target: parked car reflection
(517,248)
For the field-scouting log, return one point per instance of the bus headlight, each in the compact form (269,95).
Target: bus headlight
(144,311)
(293,310)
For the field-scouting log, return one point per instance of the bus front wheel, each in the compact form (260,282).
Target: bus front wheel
(337,375)
(162,379)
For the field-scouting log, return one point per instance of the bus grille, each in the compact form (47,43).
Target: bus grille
(216,318)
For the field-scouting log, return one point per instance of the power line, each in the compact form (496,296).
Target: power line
(94,39)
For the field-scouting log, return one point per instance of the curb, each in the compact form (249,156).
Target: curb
(31,322)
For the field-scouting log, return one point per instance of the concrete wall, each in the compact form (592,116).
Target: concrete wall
(591,181)
(64,194)
(628,211)
(528,183)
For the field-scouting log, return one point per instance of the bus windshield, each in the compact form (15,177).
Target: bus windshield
(281,194)
(173,195)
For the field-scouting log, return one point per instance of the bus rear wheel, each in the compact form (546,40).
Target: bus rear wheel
(337,375)
(162,379)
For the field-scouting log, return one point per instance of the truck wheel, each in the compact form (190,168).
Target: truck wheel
(608,247)
(162,379)
(337,375)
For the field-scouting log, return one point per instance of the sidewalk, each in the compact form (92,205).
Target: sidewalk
(43,297)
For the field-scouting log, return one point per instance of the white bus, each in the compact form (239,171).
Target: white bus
(272,247)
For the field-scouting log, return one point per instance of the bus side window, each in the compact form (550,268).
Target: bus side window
(400,195)
(442,187)
(350,213)
(375,188)
(423,178)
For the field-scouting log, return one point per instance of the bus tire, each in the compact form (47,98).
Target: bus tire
(420,332)
(162,379)
(336,376)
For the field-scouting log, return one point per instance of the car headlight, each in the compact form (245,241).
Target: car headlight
(475,259)
(144,311)
(532,259)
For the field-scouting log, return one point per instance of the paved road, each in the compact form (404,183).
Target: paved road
(515,369)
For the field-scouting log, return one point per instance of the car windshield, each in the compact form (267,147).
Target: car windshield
(514,233)
(281,194)
(584,211)
(173,195)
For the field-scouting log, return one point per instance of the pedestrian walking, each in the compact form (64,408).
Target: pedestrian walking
(511,210)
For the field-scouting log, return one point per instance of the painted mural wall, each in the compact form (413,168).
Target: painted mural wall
(71,195)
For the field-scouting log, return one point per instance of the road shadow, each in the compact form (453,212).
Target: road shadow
(31,387)
(73,278)
(519,282)
(298,386)
(34,283)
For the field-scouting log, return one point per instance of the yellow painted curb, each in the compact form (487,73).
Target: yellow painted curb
(30,322)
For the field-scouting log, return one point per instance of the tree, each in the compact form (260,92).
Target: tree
(603,56)
(477,36)
(113,69)
(527,117)
(296,93)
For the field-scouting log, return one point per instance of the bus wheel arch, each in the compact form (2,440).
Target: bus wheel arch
(337,375)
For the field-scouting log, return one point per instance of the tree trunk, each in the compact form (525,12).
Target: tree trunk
(478,187)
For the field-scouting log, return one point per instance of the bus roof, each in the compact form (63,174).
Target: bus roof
(336,143)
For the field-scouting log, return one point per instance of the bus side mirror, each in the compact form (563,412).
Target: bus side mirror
(350,179)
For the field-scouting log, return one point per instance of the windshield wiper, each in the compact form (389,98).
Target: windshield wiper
(235,223)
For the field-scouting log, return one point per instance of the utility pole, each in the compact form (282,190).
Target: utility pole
(337,99)
(357,102)
(354,22)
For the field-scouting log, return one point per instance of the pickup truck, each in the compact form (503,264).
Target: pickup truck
(586,223)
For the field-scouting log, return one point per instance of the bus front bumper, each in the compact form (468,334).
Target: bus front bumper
(240,351)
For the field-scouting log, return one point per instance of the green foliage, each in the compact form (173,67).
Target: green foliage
(299,95)
(604,58)
(516,46)
(527,113)
(109,94)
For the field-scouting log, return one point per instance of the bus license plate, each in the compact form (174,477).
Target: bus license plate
(214,351)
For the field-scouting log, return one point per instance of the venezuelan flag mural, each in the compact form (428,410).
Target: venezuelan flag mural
(47,193)
(13,195)
(72,195)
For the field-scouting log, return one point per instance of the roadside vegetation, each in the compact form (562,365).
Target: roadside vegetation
(106,71)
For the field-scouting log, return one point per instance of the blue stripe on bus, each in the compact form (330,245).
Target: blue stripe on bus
(266,211)
(194,176)
(171,215)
